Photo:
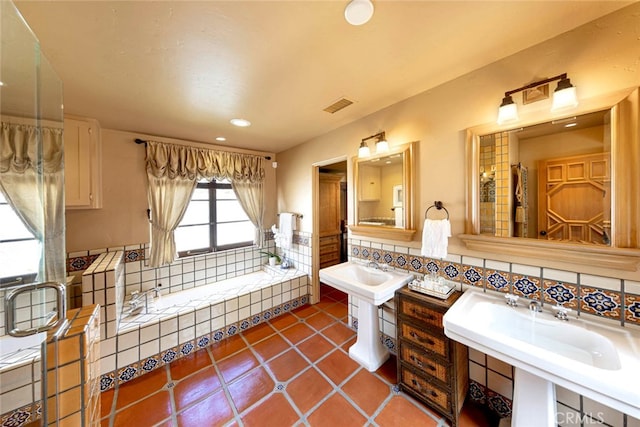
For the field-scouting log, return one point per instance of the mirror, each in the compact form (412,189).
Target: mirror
(550,181)
(558,189)
(383,195)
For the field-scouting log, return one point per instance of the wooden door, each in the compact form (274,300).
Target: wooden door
(329,229)
(574,199)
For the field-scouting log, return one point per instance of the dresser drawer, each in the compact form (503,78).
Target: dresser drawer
(421,313)
(425,363)
(426,389)
(424,339)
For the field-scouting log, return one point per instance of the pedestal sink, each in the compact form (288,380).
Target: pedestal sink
(372,287)
(593,358)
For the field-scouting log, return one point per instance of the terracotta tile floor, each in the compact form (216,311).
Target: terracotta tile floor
(293,370)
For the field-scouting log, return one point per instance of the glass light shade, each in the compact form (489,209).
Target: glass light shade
(382,146)
(564,98)
(363,151)
(358,12)
(508,111)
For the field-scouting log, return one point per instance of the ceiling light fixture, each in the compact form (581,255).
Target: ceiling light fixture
(221,138)
(243,123)
(358,12)
(382,146)
(563,97)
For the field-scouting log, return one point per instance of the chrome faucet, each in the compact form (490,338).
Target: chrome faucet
(381,267)
(512,300)
(136,298)
(535,306)
(562,313)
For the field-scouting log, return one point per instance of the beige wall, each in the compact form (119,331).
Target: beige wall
(123,217)
(600,58)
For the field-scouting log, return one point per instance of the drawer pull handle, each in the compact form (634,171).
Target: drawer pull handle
(421,339)
(419,387)
(422,365)
(423,314)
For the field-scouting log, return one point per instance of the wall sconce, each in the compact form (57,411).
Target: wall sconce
(563,97)
(382,146)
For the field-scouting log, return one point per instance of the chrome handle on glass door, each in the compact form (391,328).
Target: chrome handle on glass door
(59,313)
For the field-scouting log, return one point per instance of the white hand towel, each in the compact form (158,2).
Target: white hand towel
(435,238)
(287,225)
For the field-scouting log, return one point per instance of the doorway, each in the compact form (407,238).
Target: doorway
(330,207)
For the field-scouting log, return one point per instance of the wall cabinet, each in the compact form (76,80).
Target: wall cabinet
(369,189)
(82,163)
(431,367)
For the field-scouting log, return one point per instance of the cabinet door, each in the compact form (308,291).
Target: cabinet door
(369,177)
(82,164)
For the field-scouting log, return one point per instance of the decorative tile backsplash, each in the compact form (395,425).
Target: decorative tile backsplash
(571,289)
(491,381)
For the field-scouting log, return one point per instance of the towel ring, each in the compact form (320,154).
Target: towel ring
(439,206)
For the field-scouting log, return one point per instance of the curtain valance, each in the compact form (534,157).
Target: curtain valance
(22,145)
(192,163)
(173,171)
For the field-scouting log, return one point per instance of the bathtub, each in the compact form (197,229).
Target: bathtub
(187,300)
(185,321)
(19,371)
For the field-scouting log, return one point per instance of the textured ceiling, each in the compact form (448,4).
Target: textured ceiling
(182,69)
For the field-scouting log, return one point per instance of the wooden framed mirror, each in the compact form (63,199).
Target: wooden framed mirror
(384,193)
(567,196)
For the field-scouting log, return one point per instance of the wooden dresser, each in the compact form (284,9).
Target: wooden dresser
(431,367)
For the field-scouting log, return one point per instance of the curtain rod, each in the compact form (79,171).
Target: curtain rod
(142,141)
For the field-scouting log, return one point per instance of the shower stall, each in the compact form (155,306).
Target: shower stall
(32,248)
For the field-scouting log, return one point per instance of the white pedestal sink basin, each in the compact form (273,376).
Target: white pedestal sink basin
(597,360)
(372,287)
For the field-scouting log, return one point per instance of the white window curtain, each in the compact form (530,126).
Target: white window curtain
(32,180)
(173,171)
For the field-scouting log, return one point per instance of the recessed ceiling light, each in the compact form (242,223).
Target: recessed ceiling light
(570,125)
(221,138)
(240,122)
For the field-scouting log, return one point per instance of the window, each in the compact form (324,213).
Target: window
(19,249)
(214,221)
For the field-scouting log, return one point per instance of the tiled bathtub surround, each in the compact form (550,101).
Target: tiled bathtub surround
(145,342)
(73,391)
(20,373)
(605,297)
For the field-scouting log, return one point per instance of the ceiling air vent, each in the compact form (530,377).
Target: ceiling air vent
(338,105)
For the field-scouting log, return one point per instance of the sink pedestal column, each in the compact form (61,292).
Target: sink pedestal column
(534,401)
(368,351)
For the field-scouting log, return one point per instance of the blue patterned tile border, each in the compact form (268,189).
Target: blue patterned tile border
(80,263)
(560,293)
(20,416)
(600,302)
(127,373)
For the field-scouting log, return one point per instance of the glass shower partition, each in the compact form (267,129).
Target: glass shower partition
(32,249)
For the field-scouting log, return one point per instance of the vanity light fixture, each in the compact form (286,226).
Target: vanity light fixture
(358,12)
(364,151)
(382,146)
(563,97)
